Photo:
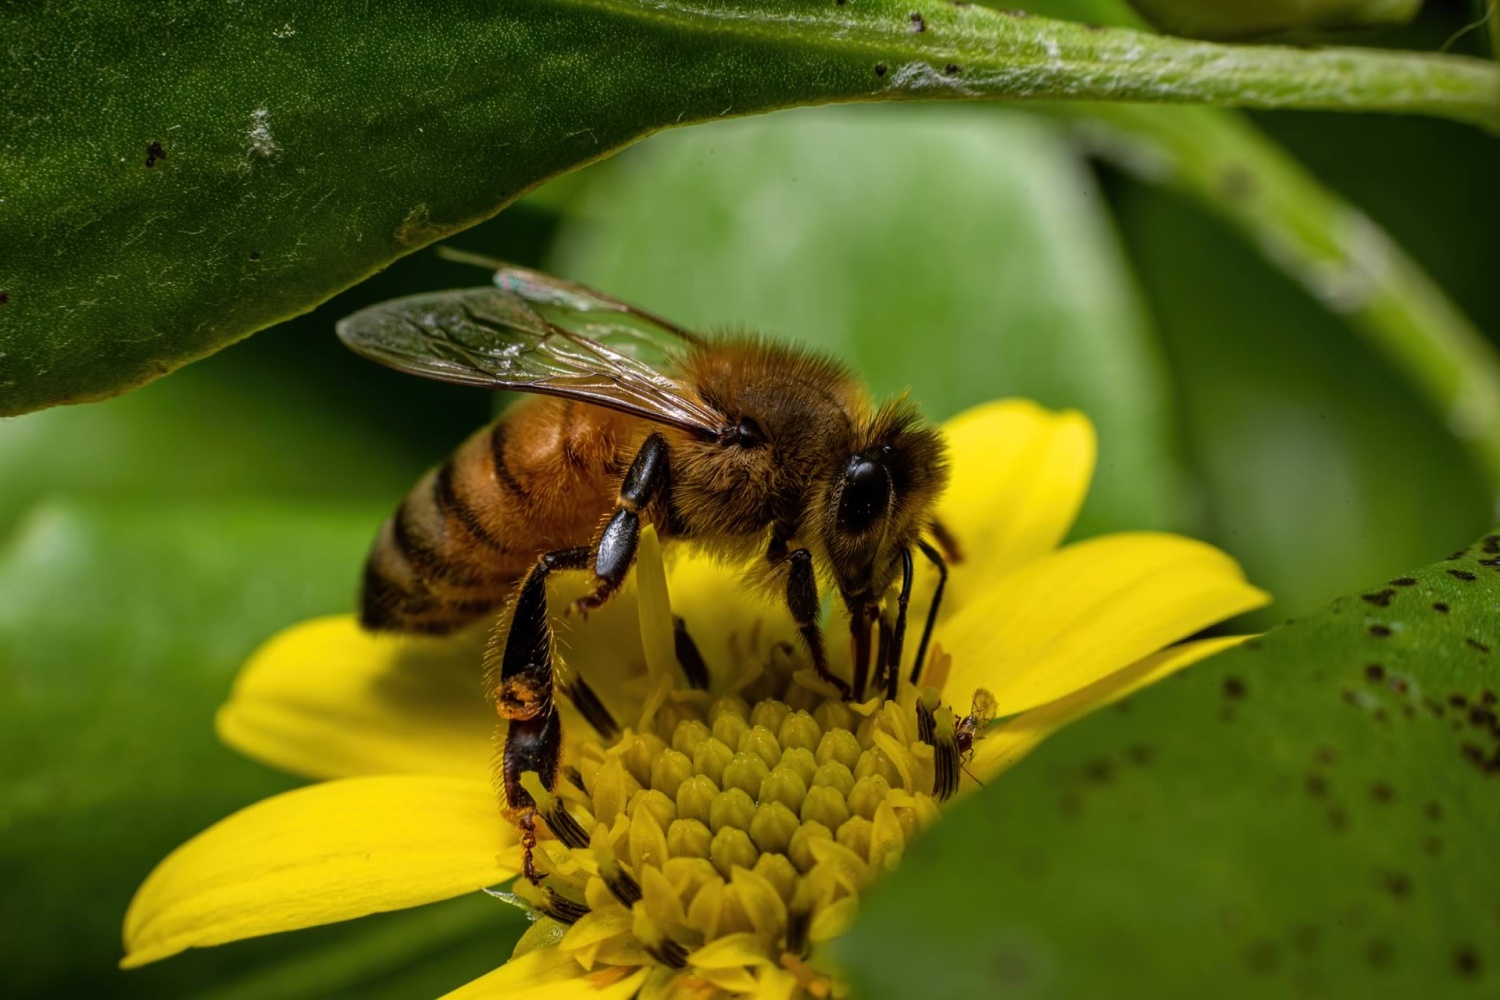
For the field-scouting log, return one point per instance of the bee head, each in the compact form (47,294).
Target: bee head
(881,497)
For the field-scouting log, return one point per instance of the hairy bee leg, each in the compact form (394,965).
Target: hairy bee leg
(885,635)
(860,620)
(526,665)
(898,637)
(533,744)
(643,482)
(802,601)
(932,612)
(951,550)
(688,656)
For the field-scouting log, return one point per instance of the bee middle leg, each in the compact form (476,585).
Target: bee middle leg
(615,554)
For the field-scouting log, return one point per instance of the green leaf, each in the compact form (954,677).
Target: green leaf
(1311,813)
(1320,466)
(120,631)
(176,178)
(963,254)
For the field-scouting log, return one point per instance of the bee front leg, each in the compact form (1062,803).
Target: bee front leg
(802,601)
(642,484)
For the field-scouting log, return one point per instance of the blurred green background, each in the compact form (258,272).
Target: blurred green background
(147,544)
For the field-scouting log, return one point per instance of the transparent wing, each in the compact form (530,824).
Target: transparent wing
(983,711)
(533,333)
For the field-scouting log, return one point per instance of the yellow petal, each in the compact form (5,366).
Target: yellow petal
(320,854)
(1008,742)
(326,699)
(1064,621)
(551,974)
(1020,473)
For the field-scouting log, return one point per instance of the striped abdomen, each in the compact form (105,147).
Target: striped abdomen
(538,479)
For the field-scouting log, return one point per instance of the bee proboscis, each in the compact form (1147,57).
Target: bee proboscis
(756,450)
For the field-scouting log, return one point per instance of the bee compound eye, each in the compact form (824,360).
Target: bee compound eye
(866,492)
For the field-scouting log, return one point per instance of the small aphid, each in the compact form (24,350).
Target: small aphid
(970,728)
(953,740)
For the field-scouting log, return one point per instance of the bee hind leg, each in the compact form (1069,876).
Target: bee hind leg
(615,553)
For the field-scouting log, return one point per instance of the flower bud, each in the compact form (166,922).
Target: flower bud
(694,798)
(732,848)
(745,771)
(731,808)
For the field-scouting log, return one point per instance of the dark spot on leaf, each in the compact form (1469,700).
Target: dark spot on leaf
(1099,771)
(917,22)
(1476,644)
(1381,598)
(879,67)
(1490,562)
(1440,608)
(1374,672)
(1234,688)
(1380,631)
(1382,792)
(1399,685)
(1405,581)
(1491,544)
(1396,883)
(1433,811)
(1461,574)
(1306,939)
(1381,715)
(1432,845)
(1466,962)
(154,152)
(1325,755)
(4,296)
(1262,957)
(952,69)
(1488,698)
(1141,754)
(1458,701)
(1091,26)
(1338,818)
(1379,953)
(1317,785)
(255,255)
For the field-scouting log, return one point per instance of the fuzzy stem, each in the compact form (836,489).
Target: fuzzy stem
(1331,248)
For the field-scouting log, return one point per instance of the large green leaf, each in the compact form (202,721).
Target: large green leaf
(1310,814)
(177,176)
(120,630)
(962,253)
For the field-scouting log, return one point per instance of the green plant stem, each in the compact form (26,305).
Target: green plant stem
(1336,252)
(1034,57)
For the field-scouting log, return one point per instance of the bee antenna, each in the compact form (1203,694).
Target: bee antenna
(466,257)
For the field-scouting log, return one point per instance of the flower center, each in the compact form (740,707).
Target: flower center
(735,831)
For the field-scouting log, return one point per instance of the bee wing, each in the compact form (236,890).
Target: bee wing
(534,333)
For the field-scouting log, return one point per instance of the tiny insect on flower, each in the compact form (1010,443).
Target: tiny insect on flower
(731,822)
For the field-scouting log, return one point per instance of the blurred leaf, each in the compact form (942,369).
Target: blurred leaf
(964,255)
(120,630)
(1320,467)
(1309,814)
(176,178)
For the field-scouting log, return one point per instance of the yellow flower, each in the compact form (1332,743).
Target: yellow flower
(713,845)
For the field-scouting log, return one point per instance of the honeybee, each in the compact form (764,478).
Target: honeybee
(754,449)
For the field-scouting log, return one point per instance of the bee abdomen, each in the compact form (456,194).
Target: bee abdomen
(535,480)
